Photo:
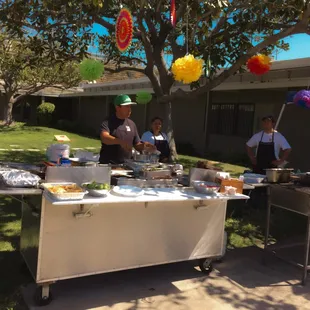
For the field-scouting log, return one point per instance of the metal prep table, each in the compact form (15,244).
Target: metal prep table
(295,199)
(98,235)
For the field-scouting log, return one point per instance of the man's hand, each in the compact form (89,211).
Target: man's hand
(278,162)
(125,146)
(149,146)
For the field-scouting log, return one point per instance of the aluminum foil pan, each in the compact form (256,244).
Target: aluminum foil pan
(18,178)
(76,195)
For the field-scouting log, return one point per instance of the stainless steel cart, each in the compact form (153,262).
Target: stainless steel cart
(72,239)
(295,199)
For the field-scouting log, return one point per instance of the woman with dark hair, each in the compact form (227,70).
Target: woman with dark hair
(156,137)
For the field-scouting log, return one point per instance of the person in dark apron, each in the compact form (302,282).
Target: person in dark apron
(158,138)
(119,134)
(163,147)
(269,143)
(265,156)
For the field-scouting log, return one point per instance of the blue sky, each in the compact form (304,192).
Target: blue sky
(299,45)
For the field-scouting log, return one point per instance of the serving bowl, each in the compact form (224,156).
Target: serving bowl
(207,188)
(95,192)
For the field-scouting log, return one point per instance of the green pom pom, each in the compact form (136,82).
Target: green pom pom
(91,69)
(143,97)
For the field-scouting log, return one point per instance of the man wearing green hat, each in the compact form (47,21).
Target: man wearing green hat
(119,134)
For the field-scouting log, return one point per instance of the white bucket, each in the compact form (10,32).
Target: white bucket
(56,151)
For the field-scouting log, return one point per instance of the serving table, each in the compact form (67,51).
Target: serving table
(69,239)
(97,235)
(294,199)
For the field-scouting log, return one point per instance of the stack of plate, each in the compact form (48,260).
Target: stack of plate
(127,191)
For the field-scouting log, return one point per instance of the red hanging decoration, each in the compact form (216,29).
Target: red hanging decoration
(124,30)
(173,15)
(259,64)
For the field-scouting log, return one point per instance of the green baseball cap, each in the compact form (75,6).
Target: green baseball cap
(123,100)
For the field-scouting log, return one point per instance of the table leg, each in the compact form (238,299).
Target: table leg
(267,224)
(267,219)
(306,257)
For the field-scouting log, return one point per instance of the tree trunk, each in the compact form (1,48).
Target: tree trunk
(169,129)
(8,110)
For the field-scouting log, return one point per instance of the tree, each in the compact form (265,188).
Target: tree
(225,33)
(22,72)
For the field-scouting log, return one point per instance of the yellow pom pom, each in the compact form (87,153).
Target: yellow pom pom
(187,69)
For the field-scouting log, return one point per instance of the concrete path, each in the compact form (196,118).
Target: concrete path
(240,282)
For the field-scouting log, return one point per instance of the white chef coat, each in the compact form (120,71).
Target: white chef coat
(280,143)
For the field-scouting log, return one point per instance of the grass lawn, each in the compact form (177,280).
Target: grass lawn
(244,230)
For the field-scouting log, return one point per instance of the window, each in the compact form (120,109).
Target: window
(231,119)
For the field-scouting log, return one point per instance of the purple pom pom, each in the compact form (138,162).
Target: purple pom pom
(302,98)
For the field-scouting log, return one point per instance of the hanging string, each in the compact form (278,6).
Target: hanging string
(187,36)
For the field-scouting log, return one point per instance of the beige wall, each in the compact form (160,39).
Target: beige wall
(294,125)
(188,121)
(92,111)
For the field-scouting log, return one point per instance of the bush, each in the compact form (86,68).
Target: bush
(45,113)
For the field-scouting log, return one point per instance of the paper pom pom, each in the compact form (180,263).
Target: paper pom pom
(187,69)
(91,69)
(259,64)
(124,30)
(302,99)
(143,97)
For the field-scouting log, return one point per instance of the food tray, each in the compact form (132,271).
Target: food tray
(142,183)
(207,188)
(65,196)
(157,174)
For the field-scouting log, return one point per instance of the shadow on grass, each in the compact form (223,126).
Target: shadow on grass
(22,157)
(246,222)
(11,261)
(19,127)
(189,163)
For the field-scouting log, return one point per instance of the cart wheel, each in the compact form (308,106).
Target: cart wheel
(42,301)
(205,265)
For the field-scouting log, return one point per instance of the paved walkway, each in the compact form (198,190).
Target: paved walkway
(240,282)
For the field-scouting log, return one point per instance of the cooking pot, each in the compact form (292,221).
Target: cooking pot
(278,175)
(143,158)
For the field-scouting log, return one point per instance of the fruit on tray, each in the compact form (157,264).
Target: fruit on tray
(97,186)
(61,189)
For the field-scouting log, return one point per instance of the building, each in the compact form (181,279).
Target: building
(216,123)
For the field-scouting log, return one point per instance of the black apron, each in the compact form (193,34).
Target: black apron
(162,146)
(265,155)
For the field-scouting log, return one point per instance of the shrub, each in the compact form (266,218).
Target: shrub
(45,113)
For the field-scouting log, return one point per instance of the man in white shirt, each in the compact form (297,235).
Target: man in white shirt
(268,144)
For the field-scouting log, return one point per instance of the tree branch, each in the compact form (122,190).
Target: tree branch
(149,70)
(121,69)
(210,84)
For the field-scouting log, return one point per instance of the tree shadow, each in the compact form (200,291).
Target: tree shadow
(22,157)
(175,286)
(15,127)
(11,261)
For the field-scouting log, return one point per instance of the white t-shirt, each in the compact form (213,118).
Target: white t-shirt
(149,137)
(280,142)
